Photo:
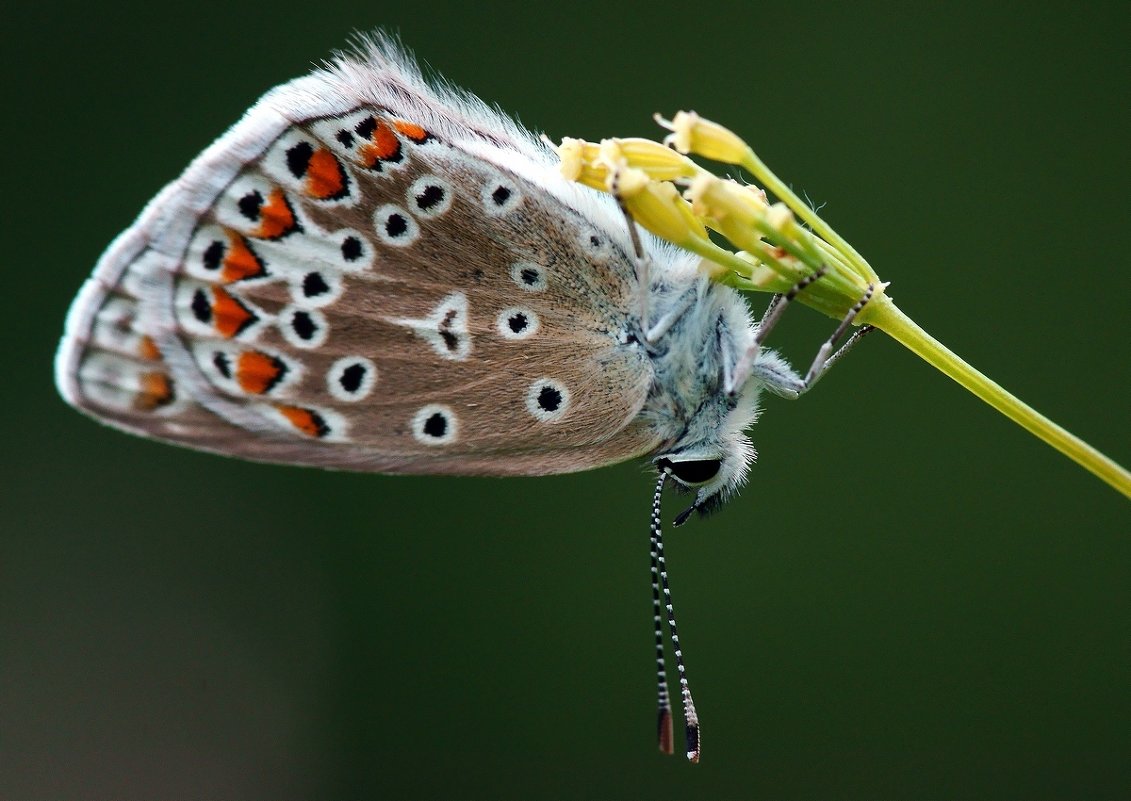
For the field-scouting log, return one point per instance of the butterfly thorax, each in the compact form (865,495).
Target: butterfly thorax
(708,327)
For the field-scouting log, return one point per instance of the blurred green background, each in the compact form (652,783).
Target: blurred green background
(911,599)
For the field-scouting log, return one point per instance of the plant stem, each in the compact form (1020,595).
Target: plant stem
(886,316)
(756,167)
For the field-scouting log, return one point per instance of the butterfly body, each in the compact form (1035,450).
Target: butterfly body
(370,273)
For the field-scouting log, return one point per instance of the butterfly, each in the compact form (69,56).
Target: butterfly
(370,272)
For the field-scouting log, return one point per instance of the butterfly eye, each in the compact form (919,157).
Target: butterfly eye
(697,471)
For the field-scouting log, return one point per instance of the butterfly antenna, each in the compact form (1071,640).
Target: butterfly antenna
(663,702)
(690,716)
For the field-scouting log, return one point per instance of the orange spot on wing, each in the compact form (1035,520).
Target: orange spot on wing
(229,316)
(258,373)
(276,218)
(383,145)
(240,261)
(147,349)
(156,390)
(411,130)
(306,421)
(325,177)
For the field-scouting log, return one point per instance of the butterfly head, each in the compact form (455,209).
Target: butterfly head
(714,455)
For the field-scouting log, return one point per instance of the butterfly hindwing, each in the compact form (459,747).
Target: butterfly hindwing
(369,290)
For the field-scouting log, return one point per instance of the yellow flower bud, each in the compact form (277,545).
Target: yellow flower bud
(570,153)
(762,275)
(724,199)
(656,205)
(661,163)
(781,219)
(739,213)
(693,134)
(627,182)
(580,161)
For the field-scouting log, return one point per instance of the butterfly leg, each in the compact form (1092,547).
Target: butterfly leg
(643,273)
(774,311)
(787,384)
(826,356)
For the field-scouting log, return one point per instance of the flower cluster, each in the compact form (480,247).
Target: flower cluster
(672,196)
(774,245)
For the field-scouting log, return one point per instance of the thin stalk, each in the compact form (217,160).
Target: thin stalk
(887,317)
(756,167)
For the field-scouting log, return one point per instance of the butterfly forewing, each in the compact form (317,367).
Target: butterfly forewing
(364,292)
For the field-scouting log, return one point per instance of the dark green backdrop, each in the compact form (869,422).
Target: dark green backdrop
(912,599)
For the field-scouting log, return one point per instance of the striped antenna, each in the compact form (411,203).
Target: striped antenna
(663,703)
(690,716)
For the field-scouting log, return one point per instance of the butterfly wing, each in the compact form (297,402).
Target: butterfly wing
(365,273)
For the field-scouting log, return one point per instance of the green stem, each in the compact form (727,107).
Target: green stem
(756,167)
(889,319)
